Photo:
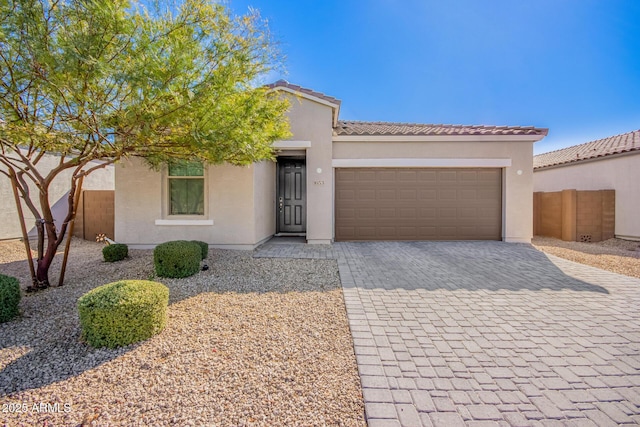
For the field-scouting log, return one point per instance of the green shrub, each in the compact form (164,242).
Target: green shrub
(204,247)
(123,313)
(9,297)
(178,258)
(115,252)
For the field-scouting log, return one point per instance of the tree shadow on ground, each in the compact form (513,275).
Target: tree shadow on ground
(458,265)
(43,345)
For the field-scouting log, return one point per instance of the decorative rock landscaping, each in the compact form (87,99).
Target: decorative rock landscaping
(259,342)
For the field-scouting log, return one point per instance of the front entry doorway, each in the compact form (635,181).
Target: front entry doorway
(291,203)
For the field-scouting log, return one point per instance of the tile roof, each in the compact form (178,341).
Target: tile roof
(284,83)
(617,144)
(400,129)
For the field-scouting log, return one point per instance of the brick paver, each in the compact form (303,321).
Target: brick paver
(487,333)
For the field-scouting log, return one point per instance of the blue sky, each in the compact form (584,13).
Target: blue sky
(570,65)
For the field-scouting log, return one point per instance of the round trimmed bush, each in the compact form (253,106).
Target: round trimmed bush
(9,297)
(177,259)
(123,313)
(204,247)
(115,252)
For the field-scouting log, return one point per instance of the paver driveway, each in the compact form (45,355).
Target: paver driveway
(490,333)
(486,334)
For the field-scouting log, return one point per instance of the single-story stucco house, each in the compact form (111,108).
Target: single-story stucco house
(341,181)
(605,164)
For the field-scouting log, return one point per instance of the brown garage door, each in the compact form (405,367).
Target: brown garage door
(418,204)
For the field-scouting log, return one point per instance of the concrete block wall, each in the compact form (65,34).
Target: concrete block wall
(95,214)
(595,215)
(572,215)
(608,214)
(547,216)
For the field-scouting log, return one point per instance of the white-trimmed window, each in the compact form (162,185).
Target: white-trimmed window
(186,188)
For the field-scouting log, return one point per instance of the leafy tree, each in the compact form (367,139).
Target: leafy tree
(90,80)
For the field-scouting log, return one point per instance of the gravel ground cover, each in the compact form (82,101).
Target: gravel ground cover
(616,255)
(249,342)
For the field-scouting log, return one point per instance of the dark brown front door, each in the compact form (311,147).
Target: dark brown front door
(292,196)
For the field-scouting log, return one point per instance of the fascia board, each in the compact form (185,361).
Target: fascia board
(437,138)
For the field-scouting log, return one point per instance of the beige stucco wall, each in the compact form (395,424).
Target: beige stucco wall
(101,179)
(312,121)
(230,203)
(621,174)
(264,184)
(517,189)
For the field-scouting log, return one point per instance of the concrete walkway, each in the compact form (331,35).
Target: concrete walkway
(488,333)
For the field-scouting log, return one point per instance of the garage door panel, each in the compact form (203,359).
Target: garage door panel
(407,194)
(349,233)
(427,175)
(447,213)
(364,176)
(346,194)
(426,195)
(386,175)
(487,193)
(488,213)
(386,195)
(427,233)
(488,175)
(468,213)
(365,214)
(469,230)
(428,213)
(407,232)
(383,231)
(447,194)
(366,195)
(447,176)
(447,233)
(408,213)
(407,176)
(418,204)
(346,175)
(387,213)
(346,213)
(468,194)
(468,177)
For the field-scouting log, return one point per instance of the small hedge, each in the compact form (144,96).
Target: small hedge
(123,313)
(177,259)
(9,297)
(115,252)
(204,247)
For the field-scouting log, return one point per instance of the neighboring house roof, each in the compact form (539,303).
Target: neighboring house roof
(618,144)
(397,129)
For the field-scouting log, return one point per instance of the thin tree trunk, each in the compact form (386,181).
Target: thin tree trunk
(74,200)
(25,235)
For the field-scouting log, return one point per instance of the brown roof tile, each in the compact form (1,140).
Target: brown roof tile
(397,129)
(284,83)
(590,150)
